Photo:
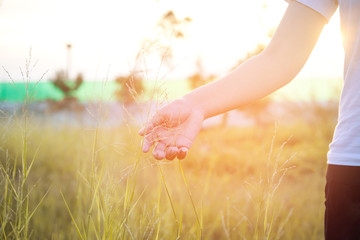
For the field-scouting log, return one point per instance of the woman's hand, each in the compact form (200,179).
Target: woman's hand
(172,130)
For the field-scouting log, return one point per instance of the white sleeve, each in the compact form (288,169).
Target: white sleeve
(324,7)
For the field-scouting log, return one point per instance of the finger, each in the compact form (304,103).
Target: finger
(157,134)
(159,151)
(182,153)
(142,131)
(146,145)
(148,141)
(152,123)
(171,153)
(183,142)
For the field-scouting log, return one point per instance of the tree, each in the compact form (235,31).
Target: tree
(131,88)
(157,45)
(258,111)
(199,78)
(65,87)
(168,28)
(68,89)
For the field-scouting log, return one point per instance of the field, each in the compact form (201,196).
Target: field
(74,182)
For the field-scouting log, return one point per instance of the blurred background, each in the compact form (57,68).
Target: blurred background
(103,41)
(78,79)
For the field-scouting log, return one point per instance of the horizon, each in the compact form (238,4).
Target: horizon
(104,47)
(167,90)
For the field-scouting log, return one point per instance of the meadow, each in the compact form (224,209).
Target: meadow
(238,182)
(60,180)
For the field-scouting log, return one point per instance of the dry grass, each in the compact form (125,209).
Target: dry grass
(236,183)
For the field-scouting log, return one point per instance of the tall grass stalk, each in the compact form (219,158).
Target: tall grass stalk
(102,199)
(72,218)
(275,172)
(104,218)
(168,195)
(199,223)
(158,212)
(16,210)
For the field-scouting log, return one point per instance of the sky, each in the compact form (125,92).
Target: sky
(106,35)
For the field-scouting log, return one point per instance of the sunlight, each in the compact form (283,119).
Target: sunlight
(85,144)
(222,33)
(321,77)
(109,33)
(106,37)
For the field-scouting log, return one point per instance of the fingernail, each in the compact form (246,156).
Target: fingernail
(159,155)
(145,147)
(182,153)
(171,156)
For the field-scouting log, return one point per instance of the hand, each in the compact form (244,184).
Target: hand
(172,130)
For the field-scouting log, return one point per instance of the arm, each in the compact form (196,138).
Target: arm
(174,127)
(277,65)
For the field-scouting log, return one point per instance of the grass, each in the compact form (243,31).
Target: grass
(78,183)
(73,182)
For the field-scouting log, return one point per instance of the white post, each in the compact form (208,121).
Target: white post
(68,66)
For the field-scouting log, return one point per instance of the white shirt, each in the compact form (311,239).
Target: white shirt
(345,146)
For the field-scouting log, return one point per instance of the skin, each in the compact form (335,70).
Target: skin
(174,127)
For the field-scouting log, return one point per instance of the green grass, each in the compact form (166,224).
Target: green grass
(236,183)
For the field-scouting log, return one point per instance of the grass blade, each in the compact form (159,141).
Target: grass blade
(191,199)
(72,218)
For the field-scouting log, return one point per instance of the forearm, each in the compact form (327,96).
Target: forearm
(174,127)
(252,80)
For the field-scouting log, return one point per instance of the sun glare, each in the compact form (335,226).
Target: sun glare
(321,77)
(108,33)
(106,36)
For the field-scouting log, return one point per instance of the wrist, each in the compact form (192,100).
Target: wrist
(194,105)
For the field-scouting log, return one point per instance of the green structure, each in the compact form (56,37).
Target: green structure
(17,92)
(88,91)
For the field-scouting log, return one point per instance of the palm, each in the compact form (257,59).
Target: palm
(174,135)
